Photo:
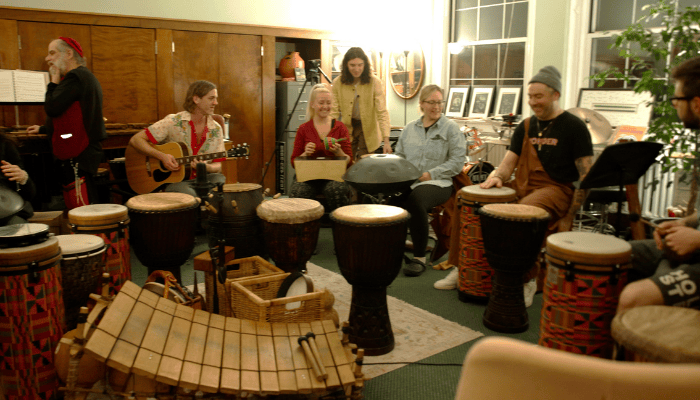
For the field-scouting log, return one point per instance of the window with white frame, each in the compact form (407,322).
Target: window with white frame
(609,17)
(487,45)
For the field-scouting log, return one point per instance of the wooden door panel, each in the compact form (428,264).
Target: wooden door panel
(9,59)
(240,94)
(196,57)
(124,62)
(35,38)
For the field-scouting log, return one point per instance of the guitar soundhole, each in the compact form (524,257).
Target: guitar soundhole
(160,175)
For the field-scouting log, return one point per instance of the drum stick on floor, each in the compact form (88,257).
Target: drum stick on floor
(303,342)
(317,354)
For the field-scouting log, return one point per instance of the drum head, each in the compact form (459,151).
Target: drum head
(240,187)
(290,211)
(79,244)
(94,214)
(10,202)
(369,214)
(660,333)
(476,194)
(514,211)
(294,285)
(23,235)
(161,201)
(589,248)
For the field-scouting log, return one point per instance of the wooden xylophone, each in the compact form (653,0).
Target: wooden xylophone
(144,334)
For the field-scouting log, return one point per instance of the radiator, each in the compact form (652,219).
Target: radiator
(656,197)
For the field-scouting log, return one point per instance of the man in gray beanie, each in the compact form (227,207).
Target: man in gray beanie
(550,150)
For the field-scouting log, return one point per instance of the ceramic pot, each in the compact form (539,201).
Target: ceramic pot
(289,62)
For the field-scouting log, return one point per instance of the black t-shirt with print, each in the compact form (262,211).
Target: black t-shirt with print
(565,141)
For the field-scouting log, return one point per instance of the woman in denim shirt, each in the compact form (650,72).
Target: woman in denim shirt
(435,145)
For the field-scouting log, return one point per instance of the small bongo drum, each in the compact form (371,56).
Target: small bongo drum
(31,319)
(585,275)
(369,242)
(658,334)
(163,229)
(111,223)
(291,231)
(513,235)
(474,271)
(81,269)
(236,220)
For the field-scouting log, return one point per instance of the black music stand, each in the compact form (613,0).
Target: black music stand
(619,165)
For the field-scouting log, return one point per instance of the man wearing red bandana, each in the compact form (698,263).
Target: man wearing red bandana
(74,120)
(195,128)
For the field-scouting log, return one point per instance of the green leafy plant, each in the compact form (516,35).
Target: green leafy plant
(674,42)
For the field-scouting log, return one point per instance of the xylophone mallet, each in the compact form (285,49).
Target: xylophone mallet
(304,343)
(317,354)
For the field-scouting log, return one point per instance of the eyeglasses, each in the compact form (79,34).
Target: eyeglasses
(432,103)
(677,98)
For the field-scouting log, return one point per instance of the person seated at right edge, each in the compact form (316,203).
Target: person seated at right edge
(666,269)
(435,145)
(309,142)
(196,128)
(550,150)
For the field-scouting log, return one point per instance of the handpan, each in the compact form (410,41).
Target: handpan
(369,241)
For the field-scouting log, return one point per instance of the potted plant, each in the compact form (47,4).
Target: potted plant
(674,42)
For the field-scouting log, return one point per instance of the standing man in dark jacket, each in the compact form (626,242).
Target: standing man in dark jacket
(74,122)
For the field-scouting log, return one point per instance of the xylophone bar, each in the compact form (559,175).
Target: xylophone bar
(144,334)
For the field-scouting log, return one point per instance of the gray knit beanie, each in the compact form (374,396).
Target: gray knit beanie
(550,76)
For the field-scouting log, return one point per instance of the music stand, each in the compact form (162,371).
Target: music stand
(619,165)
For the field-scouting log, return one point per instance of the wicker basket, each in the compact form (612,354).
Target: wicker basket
(247,268)
(256,299)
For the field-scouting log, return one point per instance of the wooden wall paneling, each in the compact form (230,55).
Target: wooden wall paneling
(326,60)
(9,59)
(196,57)
(124,61)
(164,73)
(240,94)
(268,111)
(35,38)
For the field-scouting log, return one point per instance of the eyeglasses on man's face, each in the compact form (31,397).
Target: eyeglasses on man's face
(433,103)
(678,98)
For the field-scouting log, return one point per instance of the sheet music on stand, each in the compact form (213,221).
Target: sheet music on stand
(619,106)
(22,86)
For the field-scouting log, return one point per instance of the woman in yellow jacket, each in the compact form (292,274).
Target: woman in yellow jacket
(359,101)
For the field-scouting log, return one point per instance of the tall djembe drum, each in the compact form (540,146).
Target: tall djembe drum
(369,243)
(513,235)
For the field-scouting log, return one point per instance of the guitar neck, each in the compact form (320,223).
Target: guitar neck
(201,157)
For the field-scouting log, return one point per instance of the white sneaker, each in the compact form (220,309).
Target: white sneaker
(449,282)
(529,290)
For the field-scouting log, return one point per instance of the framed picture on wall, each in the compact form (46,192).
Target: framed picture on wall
(480,101)
(299,74)
(507,100)
(456,101)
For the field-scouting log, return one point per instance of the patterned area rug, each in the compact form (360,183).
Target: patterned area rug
(418,333)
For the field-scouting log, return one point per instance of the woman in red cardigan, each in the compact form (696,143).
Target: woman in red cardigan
(309,142)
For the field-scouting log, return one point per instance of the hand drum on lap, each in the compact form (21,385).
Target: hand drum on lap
(31,319)
(369,240)
(111,223)
(585,276)
(236,221)
(163,229)
(658,334)
(81,269)
(291,230)
(513,235)
(474,271)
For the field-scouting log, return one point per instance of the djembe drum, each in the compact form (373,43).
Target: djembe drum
(474,270)
(585,275)
(235,220)
(31,317)
(369,242)
(163,229)
(291,231)
(513,235)
(111,223)
(81,269)
(657,334)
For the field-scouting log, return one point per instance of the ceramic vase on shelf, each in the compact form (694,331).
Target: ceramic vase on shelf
(288,63)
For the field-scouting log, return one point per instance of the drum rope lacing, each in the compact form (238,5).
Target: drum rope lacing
(571,269)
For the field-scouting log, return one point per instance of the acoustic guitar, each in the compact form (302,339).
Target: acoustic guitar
(146,174)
